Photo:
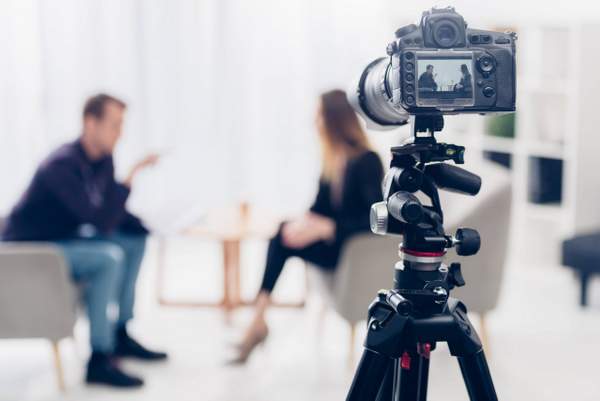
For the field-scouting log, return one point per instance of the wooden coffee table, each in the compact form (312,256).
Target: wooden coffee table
(229,226)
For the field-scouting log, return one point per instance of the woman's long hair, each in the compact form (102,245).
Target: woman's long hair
(341,134)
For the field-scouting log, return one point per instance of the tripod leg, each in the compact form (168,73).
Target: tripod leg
(387,389)
(477,377)
(370,377)
(414,375)
(423,378)
(375,378)
(466,346)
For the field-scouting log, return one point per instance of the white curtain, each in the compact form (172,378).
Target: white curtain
(225,89)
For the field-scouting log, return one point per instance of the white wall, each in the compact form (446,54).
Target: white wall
(226,88)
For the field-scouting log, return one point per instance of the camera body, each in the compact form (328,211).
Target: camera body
(444,66)
(439,67)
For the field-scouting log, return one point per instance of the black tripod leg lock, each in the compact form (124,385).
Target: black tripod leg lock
(385,328)
(455,277)
(400,304)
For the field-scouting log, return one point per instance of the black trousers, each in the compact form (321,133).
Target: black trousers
(322,254)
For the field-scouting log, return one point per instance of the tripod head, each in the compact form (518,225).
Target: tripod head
(419,166)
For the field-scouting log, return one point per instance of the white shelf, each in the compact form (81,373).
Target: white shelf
(553,212)
(498,144)
(557,119)
(538,148)
(559,86)
(546,90)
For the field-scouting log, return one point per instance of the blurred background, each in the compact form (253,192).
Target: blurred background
(226,92)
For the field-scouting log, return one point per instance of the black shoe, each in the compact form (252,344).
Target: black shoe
(127,347)
(101,369)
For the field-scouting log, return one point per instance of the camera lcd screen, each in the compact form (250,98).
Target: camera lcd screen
(445,79)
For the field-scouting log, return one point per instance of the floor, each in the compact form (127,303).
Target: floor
(543,347)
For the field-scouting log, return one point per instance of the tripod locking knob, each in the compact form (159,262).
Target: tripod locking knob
(440,295)
(379,218)
(405,207)
(455,277)
(467,241)
(400,304)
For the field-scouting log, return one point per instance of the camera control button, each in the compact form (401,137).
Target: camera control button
(502,41)
(488,91)
(480,82)
(405,30)
(486,64)
(409,66)
(392,48)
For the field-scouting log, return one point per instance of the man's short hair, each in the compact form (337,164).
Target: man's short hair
(429,66)
(94,106)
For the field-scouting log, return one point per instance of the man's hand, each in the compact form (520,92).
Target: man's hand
(148,161)
(307,230)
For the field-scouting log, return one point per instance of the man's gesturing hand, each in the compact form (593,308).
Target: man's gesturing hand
(148,161)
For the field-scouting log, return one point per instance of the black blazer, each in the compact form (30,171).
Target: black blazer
(361,188)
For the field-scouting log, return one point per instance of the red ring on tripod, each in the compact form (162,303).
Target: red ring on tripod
(423,254)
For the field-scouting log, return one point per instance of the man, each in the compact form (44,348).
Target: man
(427,80)
(74,201)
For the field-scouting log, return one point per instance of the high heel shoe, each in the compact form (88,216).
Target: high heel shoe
(248,345)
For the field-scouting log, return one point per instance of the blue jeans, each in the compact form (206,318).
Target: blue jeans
(108,267)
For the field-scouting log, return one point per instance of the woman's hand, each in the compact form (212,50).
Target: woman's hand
(324,226)
(307,230)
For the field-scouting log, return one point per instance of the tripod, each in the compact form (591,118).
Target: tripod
(405,323)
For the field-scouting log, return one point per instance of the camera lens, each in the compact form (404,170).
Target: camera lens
(445,34)
(373,101)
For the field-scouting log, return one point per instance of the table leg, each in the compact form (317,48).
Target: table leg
(232,297)
(231,279)
(227,275)
(236,290)
(161,279)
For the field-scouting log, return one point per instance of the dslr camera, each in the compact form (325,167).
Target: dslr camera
(438,67)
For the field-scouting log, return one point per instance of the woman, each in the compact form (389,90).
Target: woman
(349,184)
(465,84)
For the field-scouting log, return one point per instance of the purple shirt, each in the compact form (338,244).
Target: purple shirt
(68,191)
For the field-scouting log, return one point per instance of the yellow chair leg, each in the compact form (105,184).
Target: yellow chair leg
(322,316)
(483,334)
(352,342)
(58,366)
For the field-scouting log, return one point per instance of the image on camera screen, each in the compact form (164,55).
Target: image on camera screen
(445,80)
